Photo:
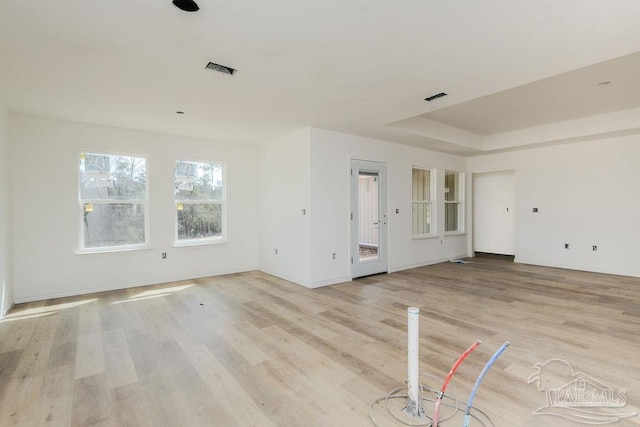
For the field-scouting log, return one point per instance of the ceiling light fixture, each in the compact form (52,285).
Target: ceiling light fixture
(186,5)
(179,112)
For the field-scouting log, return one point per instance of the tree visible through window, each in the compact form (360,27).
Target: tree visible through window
(453,198)
(422,190)
(113,200)
(199,198)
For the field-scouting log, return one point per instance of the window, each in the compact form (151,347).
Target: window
(422,190)
(113,202)
(199,198)
(453,202)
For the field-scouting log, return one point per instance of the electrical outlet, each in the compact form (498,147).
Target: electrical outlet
(164,255)
(566,246)
(594,247)
(333,255)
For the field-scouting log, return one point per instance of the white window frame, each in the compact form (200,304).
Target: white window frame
(429,203)
(222,239)
(83,202)
(459,200)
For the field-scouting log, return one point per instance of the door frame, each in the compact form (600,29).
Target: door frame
(509,205)
(381,264)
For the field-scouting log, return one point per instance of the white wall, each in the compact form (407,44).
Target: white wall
(586,194)
(331,153)
(6,261)
(284,193)
(46,217)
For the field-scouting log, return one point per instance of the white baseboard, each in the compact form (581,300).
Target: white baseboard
(2,315)
(587,268)
(329,282)
(125,285)
(424,263)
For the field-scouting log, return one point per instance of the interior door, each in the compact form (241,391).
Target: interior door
(494,224)
(368,218)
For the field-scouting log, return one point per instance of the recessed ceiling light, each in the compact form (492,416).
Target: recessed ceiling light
(186,5)
(436,96)
(603,83)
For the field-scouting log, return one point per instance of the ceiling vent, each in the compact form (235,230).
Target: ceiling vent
(436,96)
(186,5)
(220,68)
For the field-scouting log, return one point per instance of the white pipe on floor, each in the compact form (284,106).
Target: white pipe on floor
(414,398)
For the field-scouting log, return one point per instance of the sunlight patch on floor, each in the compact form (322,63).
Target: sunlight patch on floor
(44,310)
(155,293)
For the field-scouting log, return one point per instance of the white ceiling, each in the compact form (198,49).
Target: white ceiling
(360,66)
(597,89)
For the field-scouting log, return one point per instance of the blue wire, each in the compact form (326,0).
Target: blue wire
(467,413)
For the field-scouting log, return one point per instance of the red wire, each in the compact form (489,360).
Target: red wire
(436,412)
(458,362)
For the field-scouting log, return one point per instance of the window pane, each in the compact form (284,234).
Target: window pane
(113,224)
(451,216)
(369,215)
(421,218)
(199,221)
(110,177)
(198,181)
(451,186)
(421,185)
(421,195)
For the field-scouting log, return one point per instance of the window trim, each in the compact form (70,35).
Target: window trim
(177,243)
(461,229)
(433,230)
(82,202)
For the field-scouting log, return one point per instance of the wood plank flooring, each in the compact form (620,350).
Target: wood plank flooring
(253,350)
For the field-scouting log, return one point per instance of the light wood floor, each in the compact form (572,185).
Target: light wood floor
(250,349)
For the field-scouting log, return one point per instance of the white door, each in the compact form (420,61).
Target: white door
(494,216)
(368,218)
